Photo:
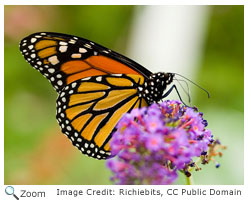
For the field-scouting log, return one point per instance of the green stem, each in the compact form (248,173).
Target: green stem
(189,180)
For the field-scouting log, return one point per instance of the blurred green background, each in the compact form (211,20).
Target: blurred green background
(35,150)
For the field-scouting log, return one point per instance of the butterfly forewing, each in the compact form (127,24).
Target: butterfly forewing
(63,59)
(89,109)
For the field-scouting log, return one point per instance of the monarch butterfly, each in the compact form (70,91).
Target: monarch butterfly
(95,86)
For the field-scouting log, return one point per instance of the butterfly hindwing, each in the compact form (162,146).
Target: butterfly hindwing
(63,59)
(89,109)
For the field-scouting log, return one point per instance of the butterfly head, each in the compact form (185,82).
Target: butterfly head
(155,85)
(169,78)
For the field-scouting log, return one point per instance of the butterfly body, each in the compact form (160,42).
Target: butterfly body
(95,86)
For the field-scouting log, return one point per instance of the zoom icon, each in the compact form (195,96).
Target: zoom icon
(9,190)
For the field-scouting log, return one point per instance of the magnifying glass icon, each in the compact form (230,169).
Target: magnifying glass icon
(10,191)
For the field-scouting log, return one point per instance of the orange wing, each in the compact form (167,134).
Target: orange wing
(63,59)
(96,86)
(89,109)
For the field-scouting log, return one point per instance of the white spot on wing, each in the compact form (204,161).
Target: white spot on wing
(88,46)
(82,50)
(62,94)
(76,55)
(72,41)
(99,78)
(53,60)
(51,70)
(62,43)
(59,110)
(85,79)
(33,40)
(73,85)
(59,76)
(63,49)
(60,82)
(104,51)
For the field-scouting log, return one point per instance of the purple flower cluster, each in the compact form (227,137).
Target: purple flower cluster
(152,144)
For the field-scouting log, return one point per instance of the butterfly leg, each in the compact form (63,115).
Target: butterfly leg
(170,90)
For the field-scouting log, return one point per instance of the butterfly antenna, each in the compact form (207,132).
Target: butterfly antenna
(194,84)
(186,91)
